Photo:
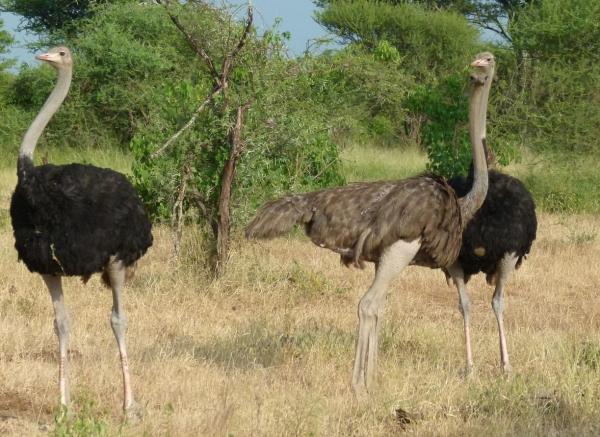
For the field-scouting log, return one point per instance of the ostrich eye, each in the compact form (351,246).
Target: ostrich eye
(61,53)
(489,59)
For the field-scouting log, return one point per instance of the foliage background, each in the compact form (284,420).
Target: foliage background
(396,82)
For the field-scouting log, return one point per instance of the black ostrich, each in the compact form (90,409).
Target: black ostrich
(76,220)
(495,241)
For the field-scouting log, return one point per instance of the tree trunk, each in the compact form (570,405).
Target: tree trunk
(223,223)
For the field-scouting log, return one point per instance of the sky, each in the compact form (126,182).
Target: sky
(296,17)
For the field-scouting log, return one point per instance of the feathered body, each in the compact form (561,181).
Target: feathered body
(418,221)
(505,223)
(70,219)
(360,220)
(76,220)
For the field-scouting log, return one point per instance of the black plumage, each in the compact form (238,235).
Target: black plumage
(505,223)
(70,219)
(76,220)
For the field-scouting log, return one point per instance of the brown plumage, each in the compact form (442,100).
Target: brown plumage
(393,224)
(360,220)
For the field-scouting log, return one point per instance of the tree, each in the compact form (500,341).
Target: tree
(430,42)
(5,41)
(410,44)
(559,29)
(559,107)
(11,117)
(492,15)
(50,15)
(233,132)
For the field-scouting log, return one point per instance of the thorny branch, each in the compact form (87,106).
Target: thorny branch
(242,41)
(220,79)
(177,220)
(236,136)
(186,126)
(196,46)
(227,177)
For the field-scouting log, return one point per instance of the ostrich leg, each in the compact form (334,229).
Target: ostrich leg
(505,267)
(458,276)
(370,312)
(118,321)
(61,327)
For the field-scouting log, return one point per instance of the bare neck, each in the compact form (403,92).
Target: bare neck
(48,110)
(484,104)
(470,203)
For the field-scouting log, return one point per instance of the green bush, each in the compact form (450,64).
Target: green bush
(552,94)
(286,136)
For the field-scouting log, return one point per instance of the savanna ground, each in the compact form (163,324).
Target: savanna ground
(268,349)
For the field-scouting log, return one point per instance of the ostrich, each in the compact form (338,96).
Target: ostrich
(418,221)
(76,220)
(495,241)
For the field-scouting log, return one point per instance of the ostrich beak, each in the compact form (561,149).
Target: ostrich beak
(48,57)
(480,63)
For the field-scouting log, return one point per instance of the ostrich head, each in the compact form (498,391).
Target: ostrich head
(485,65)
(484,62)
(58,57)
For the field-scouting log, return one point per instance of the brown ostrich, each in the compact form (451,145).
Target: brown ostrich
(417,221)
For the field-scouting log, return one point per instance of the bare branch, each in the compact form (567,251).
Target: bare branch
(227,63)
(196,46)
(177,220)
(202,205)
(237,145)
(189,124)
(227,176)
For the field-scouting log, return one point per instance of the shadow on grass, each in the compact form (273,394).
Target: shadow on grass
(257,346)
(521,406)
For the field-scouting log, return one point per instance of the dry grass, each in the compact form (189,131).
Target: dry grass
(268,349)
(366,163)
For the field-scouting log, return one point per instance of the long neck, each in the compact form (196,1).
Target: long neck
(50,107)
(489,155)
(484,104)
(470,203)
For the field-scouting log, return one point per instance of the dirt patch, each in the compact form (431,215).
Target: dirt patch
(21,414)
(45,355)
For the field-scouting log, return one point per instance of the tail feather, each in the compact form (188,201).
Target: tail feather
(279,216)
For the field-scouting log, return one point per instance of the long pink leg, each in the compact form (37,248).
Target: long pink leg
(370,312)
(118,321)
(61,327)
(458,276)
(505,268)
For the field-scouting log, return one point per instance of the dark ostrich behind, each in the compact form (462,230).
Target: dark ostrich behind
(505,223)
(70,219)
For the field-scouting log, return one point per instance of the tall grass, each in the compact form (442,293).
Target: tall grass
(560,183)
(111,157)
(363,162)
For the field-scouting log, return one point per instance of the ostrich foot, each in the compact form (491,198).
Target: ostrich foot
(507,368)
(360,393)
(134,413)
(468,372)
(64,414)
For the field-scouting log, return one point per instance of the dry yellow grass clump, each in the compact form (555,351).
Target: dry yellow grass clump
(268,349)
